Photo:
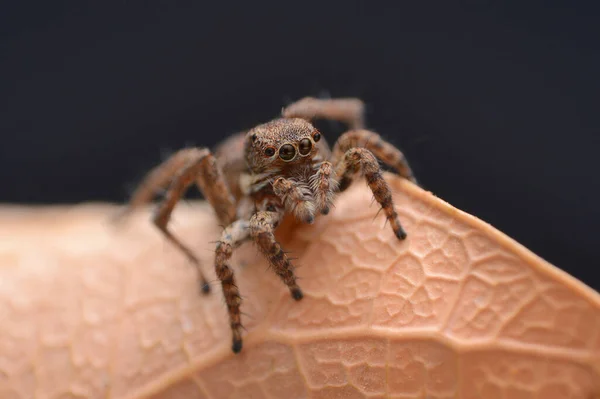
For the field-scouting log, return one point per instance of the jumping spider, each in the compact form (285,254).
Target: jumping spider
(256,177)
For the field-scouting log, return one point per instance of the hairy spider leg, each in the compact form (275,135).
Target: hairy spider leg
(383,150)
(199,167)
(363,160)
(233,236)
(262,225)
(347,110)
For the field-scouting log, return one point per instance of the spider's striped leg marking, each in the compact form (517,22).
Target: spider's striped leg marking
(357,159)
(296,198)
(234,235)
(383,150)
(348,110)
(324,185)
(200,168)
(262,225)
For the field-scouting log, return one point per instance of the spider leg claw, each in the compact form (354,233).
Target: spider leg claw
(237,346)
(205,288)
(297,293)
(400,233)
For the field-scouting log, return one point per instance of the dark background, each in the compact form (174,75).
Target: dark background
(495,106)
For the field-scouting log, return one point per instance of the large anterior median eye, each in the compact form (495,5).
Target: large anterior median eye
(287,152)
(305,147)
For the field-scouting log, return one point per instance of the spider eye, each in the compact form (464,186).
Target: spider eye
(270,151)
(287,152)
(317,136)
(305,147)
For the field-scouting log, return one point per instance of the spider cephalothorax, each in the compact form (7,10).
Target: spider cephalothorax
(280,167)
(278,144)
(285,159)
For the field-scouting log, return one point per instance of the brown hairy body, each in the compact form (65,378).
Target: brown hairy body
(281,167)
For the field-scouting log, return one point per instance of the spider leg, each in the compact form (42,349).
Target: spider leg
(348,110)
(209,180)
(324,185)
(296,198)
(383,150)
(362,159)
(156,180)
(232,237)
(200,168)
(262,225)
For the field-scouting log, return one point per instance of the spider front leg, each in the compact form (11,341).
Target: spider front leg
(296,198)
(202,169)
(262,225)
(356,159)
(232,237)
(348,110)
(383,150)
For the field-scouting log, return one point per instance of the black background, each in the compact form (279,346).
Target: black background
(495,105)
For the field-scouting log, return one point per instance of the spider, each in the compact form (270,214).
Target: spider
(256,177)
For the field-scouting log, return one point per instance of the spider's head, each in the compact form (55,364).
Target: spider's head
(281,143)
